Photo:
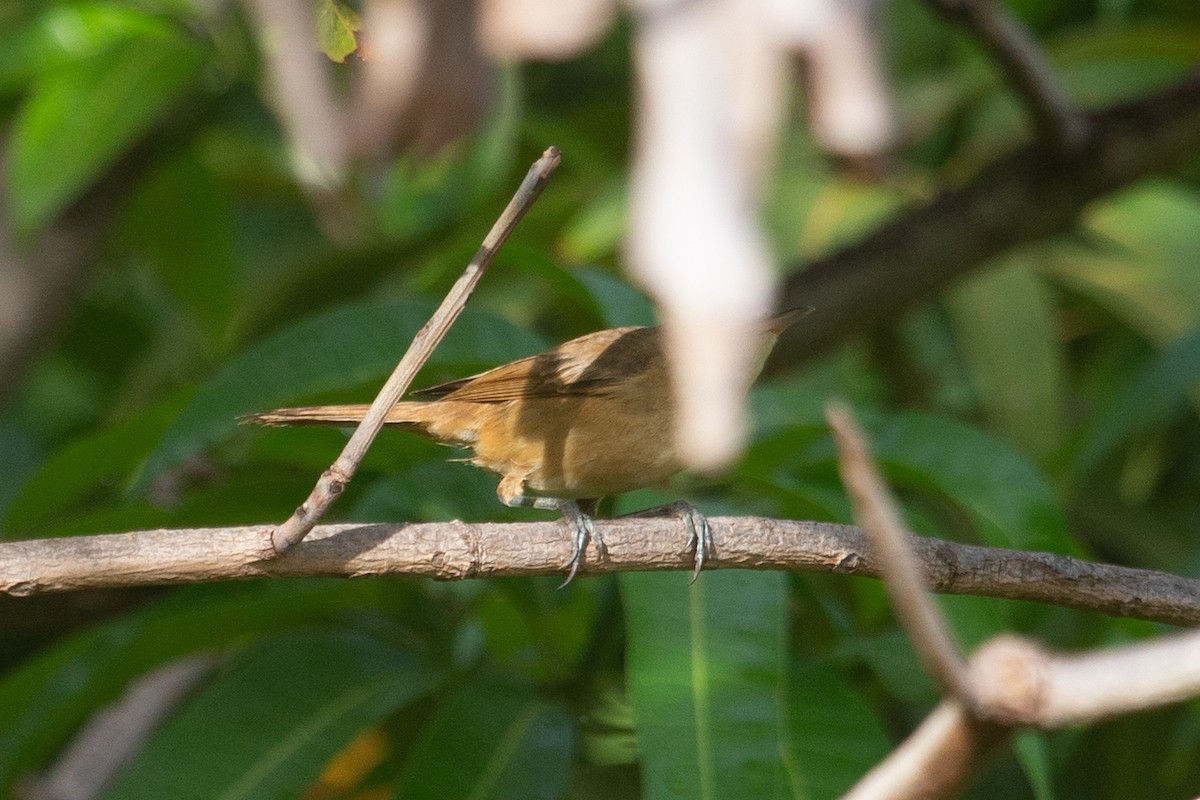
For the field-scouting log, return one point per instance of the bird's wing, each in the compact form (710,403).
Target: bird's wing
(580,367)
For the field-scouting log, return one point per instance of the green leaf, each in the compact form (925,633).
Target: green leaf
(1030,750)
(1152,394)
(65,33)
(1010,502)
(620,304)
(265,728)
(889,655)
(87,465)
(834,737)
(559,288)
(79,117)
(491,741)
(421,194)
(432,490)
(23,455)
(705,670)
(595,231)
(46,698)
(1006,329)
(1102,63)
(1139,261)
(1134,43)
(534,630)
(345,347)
(337,24)
(181,222)
(18,46)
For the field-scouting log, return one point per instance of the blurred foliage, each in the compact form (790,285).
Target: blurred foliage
(1049,402)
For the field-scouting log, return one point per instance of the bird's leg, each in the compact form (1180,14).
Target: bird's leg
(580,520)
(700,539)
(524,501)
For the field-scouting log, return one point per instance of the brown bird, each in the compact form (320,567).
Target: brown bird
(590,418)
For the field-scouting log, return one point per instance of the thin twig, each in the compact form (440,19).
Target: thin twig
(334,479)
(936,760)
(458,550)
(902,575)
(1025,66)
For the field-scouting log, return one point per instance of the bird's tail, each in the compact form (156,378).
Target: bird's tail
(412,416)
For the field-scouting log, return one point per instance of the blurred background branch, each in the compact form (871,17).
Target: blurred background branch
(1026,67)
(1030,195)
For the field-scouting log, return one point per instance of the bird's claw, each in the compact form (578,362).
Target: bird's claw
(584,531)
(700,540)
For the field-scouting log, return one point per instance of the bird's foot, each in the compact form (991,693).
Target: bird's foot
(700,538)
(582,526)
(584,529)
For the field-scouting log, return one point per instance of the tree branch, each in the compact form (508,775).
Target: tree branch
(1021,683)
(1018,683)
(459,550)
(1025,67)
(902,574)
(1010,682)
(1034,193)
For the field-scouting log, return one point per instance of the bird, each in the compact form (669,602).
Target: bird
(590,418)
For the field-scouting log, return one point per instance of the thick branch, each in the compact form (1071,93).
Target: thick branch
(1032,194)
(458,550)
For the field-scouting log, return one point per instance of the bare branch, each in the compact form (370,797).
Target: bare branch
(1011,682)
(334,479)
(1032,194)
(1111,682)
(1025,66)
(874,508)
(459,550)
(1018,683)
(936,760)
(1023,684)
